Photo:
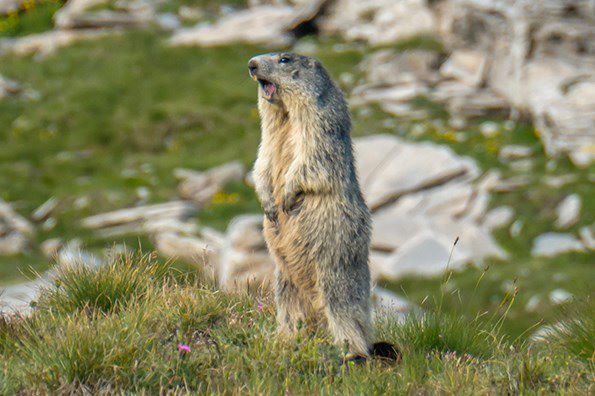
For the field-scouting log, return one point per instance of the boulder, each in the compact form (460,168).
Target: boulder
(200,187)
(568,211)
(389,167)
(552,244)
(266,24)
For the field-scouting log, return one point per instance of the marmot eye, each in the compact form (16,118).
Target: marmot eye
(284,60)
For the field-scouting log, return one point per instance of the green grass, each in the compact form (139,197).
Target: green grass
(36,17)
(234,350)
(125,111)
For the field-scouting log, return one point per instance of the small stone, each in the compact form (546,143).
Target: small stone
(516,228)
(168,21)
(514,152)
(489,129)
(457,122)
(559,181)
(551,244)
(51,247)
(587,235)
(533,303)
(49,224)
(522,165)
(560,296)
(568,211)
(498,217)
(45,209)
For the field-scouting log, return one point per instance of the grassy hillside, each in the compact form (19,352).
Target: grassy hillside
(139,325)
(121,113)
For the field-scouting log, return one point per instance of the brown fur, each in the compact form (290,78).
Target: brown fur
(317,225)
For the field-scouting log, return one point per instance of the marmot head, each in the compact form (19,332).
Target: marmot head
(285,76)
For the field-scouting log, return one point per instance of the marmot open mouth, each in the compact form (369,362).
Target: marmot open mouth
(268,88)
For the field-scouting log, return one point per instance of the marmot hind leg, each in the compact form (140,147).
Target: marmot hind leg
(347,310)
(291,309)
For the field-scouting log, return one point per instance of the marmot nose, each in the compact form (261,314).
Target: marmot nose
(253,66)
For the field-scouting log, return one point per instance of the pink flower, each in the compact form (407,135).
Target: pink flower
(183,348)
(260,307)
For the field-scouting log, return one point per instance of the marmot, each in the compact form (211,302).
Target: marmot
(316,223)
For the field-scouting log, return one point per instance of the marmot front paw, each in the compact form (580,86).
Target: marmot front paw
(293,202)
(270,211)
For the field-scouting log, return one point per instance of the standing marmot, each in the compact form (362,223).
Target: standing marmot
(317,225)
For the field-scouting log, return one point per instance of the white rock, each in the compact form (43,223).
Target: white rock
(513,152)
(424,255)
(587,234)
(202,186)
(498,217)
(51,247)
(388,167)
(245,233)
(559,181)
(489,129)
(46,43)
(265,24)
(386,304)
(533,303)
(551,244)
(568,211)
(188,248)
(560,296)
(379,22)
(516,228)
(468,66)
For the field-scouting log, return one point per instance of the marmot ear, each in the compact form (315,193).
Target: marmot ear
(312,63)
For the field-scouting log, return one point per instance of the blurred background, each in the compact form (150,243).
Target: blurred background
(133,124)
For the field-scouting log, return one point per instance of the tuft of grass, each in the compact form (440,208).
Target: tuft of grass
(575,332)
(446,333)
(109,287)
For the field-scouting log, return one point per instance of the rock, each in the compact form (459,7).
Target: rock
(10,6)
(245,233)
(365,95)
(188,248)
(73,254)
(46,43)
(389,167)
(559,181)
(15,231)
(388,68)
(516,228)
(522,165)
(551,244)
(200,187)
(587,235)
(467,66)
(173,209)
(513,152)
(51,247)
(9,88)
(533,303)
(568,211)
(424,255)
(560,296)
(265,24)
(245,262)
(168,21)
(378,22)
(387,305)
(45,210)
(489,129)
(498,217)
